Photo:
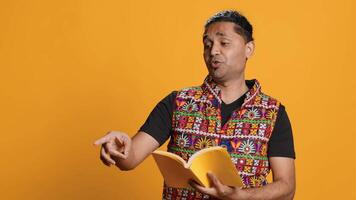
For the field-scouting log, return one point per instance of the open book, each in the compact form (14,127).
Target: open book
(176,172)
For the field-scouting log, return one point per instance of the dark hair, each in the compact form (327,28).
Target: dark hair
(243,26)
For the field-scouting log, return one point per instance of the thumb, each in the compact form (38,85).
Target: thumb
(221,188)
(214,179)
(124,142)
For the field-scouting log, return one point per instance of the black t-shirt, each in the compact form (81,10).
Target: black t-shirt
(159,125)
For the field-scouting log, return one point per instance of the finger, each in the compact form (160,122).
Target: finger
(214,179)
(202,189)
(113,151)
(103,160)
(196,186)
(106,156)
(221,189)
(102,140)
(126,143)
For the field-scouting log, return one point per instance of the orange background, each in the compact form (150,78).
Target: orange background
(72,70)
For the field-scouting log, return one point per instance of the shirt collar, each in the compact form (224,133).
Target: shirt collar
(214,92)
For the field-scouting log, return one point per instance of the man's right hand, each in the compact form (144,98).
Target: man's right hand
(114,146)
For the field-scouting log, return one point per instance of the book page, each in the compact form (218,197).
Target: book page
(173,169)
(217,161)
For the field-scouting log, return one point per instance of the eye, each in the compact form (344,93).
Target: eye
(224,43)
(207,45)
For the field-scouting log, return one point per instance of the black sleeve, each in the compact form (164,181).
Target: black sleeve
(281,142)
(159,122)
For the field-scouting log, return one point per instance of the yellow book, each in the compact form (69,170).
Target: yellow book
(177,173)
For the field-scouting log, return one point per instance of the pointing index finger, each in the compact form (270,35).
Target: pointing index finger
(102,141)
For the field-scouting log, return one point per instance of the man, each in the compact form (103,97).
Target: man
(226,110)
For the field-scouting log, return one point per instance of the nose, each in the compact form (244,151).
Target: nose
(215,50)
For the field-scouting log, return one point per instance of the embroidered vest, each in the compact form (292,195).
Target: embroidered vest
(196,124)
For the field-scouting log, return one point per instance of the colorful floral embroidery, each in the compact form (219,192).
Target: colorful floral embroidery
(203,143)
(210,111)
(182,141)
(190,106)
(247,147)
(272,114)
(252,113)
(196,125)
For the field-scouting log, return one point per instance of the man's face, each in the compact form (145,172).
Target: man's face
(225,51)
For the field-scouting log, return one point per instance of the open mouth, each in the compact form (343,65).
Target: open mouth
(215,64)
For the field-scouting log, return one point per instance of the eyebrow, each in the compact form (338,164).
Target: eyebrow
(218,34)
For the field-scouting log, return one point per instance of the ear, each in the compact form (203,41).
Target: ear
(250,48)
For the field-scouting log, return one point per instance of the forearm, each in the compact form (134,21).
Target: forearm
(142,146)
(276,190)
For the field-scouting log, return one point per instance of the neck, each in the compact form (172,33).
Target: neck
(232,89)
